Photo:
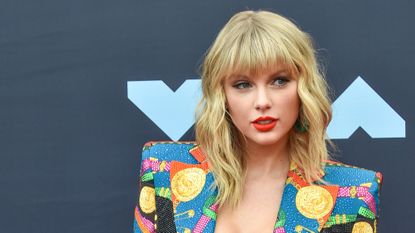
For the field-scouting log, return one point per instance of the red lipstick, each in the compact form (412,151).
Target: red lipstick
(264,123)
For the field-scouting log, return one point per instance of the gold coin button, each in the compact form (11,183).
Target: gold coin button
(314,201)
(147,200)
(188,183)
(362,227)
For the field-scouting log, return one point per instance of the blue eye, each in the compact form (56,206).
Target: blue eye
(242,85)
(281,81)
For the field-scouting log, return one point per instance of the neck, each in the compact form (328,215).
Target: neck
(271,161)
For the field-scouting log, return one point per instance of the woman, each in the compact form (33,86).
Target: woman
(260,161)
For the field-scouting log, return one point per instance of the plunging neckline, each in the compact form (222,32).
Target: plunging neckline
(275,218)
(280,216)
(294,202)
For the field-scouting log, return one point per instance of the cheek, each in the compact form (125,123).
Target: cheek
(234,101)
(238,110)
(291,104)
(296,102)
(236,107)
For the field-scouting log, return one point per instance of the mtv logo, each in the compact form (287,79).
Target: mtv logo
(358,106)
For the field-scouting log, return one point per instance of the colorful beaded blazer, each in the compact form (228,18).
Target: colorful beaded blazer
(176,194)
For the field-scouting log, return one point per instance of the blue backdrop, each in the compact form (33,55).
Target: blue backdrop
(84,84)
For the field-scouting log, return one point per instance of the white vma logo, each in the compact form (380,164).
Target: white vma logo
(172,112)
(358,106)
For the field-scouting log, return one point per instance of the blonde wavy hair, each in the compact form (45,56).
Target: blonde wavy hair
(253,41)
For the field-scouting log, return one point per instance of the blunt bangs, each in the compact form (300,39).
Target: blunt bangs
(254,50)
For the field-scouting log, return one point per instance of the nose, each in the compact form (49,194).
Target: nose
(263,100)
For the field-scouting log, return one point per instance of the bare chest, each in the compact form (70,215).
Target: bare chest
(257,211)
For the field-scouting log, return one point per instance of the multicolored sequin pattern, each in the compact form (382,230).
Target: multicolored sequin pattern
(177,195)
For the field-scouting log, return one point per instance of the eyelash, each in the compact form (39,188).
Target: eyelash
(246,84)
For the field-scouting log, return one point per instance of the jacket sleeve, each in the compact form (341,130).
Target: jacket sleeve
(367,217)
(145,208)
(374,190)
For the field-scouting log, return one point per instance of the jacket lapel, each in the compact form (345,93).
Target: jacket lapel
(192,195)
(304,207)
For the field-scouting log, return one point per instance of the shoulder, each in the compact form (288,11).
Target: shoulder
(351,179)
(342,174)
(357,187)
(181,151)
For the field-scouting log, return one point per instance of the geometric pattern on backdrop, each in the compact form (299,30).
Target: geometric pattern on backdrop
(172,111)
(359,106)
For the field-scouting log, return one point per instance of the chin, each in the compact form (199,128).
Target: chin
(265,140)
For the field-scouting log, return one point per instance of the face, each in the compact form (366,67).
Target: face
(264,107)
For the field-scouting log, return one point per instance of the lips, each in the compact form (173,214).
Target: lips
(264,123)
